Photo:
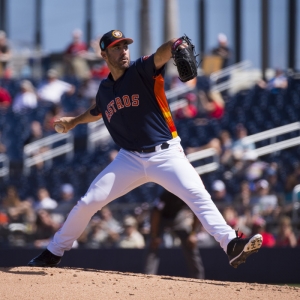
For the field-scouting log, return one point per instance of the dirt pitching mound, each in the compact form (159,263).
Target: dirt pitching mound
(27,283)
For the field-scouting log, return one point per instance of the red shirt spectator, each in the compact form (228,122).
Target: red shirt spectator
(217,112)
(5,98)
(286,236)
(189,110)
(268,240)
(77,46)
(213,104)
(258,226)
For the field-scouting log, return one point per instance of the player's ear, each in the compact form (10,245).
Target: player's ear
(103,54)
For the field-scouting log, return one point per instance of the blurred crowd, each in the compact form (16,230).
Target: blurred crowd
(259,207)
(263,202)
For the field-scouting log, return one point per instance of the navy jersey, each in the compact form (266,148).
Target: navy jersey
(135,108)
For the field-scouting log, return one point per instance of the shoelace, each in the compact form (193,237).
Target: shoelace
(237,234)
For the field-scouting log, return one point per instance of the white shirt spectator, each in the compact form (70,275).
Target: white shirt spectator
(53,91)
(26,98)
(46,203)
(135,240)
(44,200)
(131,238)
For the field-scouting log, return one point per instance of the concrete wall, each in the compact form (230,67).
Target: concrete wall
(266,266)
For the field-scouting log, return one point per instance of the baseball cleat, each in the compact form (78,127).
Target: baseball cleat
(239,249)
(45,259)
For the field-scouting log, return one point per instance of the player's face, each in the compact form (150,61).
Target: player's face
(118,55)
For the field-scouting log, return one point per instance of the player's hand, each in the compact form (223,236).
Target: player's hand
(67,122)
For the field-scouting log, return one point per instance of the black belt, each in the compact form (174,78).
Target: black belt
(153,149)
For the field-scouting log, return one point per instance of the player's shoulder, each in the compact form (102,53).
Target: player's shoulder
(145,59)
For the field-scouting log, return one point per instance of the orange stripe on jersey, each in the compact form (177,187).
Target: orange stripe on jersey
(163,103)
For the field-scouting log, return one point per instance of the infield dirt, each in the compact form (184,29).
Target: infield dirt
(26,283)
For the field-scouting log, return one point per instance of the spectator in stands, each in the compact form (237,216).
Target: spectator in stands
(94,236)
(77,46)
(45,227)
(17,235)
(111,226)
(230,215)
(53,89)
(100,71)
(286,236)
(254,168)
(276,186)
(66,201)
(88,90)
(75,57)
(171,212)
(5,55)
(44,201)
(223,50)
(226,147)
(189,111)
(236,168)
(264,204)
(219,194)
(242,200)
(18,211)
(259,226)
(36,132)
(131,237)
(213,104)
(95,47)
(240,145)
(5,99)
(291,181)
(274,85)
(26,98)
(278,82)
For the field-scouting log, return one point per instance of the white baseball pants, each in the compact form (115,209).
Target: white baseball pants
(168,168)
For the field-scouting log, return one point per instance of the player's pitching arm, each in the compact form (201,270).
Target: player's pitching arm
(69,123)
(163,54)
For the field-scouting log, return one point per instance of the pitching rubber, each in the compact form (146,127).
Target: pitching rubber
(251,247)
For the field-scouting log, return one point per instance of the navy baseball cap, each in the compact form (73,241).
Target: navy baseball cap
(111,38)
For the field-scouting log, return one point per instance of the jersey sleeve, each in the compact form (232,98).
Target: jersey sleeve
(146,67)
(95,111)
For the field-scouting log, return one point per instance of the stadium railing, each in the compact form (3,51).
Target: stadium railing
(97,133)
(33,154)
(209,167)
(271,134)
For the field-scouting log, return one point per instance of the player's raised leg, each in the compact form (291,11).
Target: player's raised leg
(174,172)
